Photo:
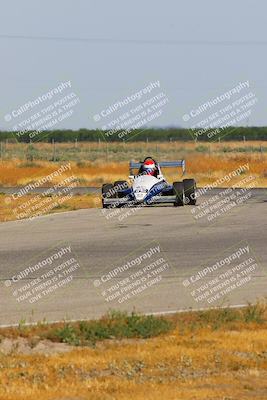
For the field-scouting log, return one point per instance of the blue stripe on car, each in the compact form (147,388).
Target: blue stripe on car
(154,191)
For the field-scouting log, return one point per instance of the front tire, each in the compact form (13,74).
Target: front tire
(189,191)
(107,192)
(178,189)
(119,186)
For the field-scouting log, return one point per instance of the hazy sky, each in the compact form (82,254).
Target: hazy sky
(196,49)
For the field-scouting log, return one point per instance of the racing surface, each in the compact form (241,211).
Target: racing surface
(101,242)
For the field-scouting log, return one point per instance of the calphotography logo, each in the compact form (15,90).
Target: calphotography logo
(44,112)
(216,201)
(44,194)
(126,117)
(212,119)
(217,283)
(44,277)
(143,273)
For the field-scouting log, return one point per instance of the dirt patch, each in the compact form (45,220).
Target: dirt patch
(29,347)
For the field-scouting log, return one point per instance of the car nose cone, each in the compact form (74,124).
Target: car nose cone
(140,196)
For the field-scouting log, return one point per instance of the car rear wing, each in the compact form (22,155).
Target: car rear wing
(168,164)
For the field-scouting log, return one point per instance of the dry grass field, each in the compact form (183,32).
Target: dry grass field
(212,355)
(10,211)
(95,163)
(92,164)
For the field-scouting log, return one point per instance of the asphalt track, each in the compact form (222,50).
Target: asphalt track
(102,242)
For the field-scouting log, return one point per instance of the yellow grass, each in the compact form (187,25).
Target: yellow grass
(13,173)
(205,364)
(9,211)
(206,166)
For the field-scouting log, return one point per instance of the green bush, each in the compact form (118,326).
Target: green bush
(155,134)
(115,325)
(254,313)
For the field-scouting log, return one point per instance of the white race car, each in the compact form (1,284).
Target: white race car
(148,189)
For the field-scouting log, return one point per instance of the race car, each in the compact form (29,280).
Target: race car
(149,187)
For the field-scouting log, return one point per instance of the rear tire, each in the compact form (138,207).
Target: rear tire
(189,191)
(118,186)
(178,189)
(107,192)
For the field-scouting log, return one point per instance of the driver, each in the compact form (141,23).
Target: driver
(149,168)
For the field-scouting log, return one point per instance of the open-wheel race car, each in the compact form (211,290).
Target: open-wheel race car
(148,186)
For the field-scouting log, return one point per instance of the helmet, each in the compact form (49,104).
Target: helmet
(149,167)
